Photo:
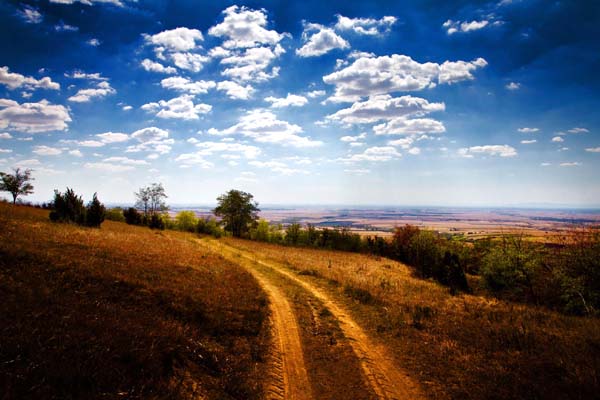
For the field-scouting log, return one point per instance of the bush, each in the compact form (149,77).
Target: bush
(156,222)
(186,221)
(132,216)
(115,214)
(95,212)
(209,226)
(68,207)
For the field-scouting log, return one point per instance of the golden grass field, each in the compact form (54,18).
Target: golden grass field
(465,346)
(123,312)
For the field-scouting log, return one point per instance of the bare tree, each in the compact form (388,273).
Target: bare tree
(17,183)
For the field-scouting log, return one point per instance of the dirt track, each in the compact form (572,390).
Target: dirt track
(385,379)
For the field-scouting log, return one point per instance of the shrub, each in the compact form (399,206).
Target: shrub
(209,226)
(186,221)
(95,212)
(132,216)
(156,222)
(68,207)
(115,214)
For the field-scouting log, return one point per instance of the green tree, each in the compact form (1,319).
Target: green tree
(151,200)
(17,183)
(186,221)
(292,234)
(262,231)
(95,212)
(68,207)
(238,211)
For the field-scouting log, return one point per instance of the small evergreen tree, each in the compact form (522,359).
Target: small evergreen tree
(68,207)
(132,216)
(95,212)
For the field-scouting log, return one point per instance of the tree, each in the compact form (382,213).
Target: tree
(95,212)
(68,207)
(132,216)
(186,221)
(238,211)
(150,199)
(17,183)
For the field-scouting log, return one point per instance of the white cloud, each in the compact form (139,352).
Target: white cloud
(209,148)
(528,130)
(528,141)
(181,107)
(175,40)
(545,164)
(90,2)
(94,42)
(32,162)
(464,26)
(189,61)
(277,166)
(490,150)
(5,135)
(5,150)
(125,161)
(91,143)
(570,164)
(385,107)
(153,66)
(357,171)
(316,93)
(46,151)
(353,139)
(189,159)
(76,153)
(151,134)
(243,27)
(365,26)
(593,149)
(108,167)
(127,108)
(558,139)
(404,143)
(291,100)
(387,74)
(86,95)
(33,117)
(415,151)
(151,139)
(235,90)
(513,86)
(62,27)
(185,85)
(405,126)
(77,74)
(264,127)
(14,80)
(578,130)
(31,15)
(112,137)
(373,154)
(252,64)
(321,42)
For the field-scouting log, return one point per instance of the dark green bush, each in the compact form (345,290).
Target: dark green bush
(132,216)
(115,214)
(95,212)
(68,207)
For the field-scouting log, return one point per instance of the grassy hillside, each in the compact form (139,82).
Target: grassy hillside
(122,312)
(465,346)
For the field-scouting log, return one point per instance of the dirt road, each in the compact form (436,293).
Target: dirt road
(385,379)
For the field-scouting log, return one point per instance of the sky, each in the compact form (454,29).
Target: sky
(431,102)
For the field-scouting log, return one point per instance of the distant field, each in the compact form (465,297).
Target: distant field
(471,224)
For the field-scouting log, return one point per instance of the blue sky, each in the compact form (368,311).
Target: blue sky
(315,102)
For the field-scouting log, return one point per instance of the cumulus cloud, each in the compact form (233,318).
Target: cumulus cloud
(321,41)
(353,139)
(365,26)
(186,85)
(62,27)
(373,154)
(557,139)
(31,15)
(406,126)
(153,66)
(151,139)
(189,61)
(243,27)
(14,80)
(593,149)
(528,130)
(278,167)
(513,86)
(94,42)
(46,151)
(118,3)
(264,127)
(528,141)
(101,90)
(369,76)
(453,27)
(578,130)
(5,135)
(490,150)
(112,137)
(226,148)
(252,64)
(181,107)
(175,40)
(291,100)
(316,93)
(125,161)
(570,164)
(76,153)
(235,90)
(385,107)
(33,117)
(78,74)
(108,167)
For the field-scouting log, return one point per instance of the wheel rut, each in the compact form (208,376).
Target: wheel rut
(385,379)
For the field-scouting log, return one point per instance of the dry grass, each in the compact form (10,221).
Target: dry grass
(467,347)
(123,312)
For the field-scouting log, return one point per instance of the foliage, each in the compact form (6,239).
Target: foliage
(18,183)
(115,214)
(132,216)
(151,200)
(95,212)
(209,226)
(68,207)
(186,221)
(156,221)
(238,211)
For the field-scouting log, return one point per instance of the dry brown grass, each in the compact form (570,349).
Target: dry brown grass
(123,312)
(467,347)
